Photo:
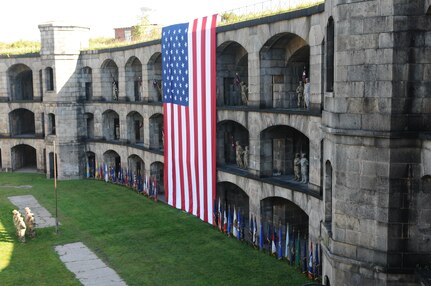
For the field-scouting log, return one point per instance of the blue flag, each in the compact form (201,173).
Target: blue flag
(280,248)
(261,236)
(229,222)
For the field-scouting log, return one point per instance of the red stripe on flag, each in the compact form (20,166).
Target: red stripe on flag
(213,104)
(182,156)
(166,151)
(172,149)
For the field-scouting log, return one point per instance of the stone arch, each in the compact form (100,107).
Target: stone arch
(154,72)
(279,145)
(279,212)
(133,79)
(109,80)
(20,86)
(328,194)
(283,60)
(91,164)
(230,197)
(135,128)
(232,68)
(112,160)
(23,158)
(111,125)
(86,83)
(228,133)
(136,164)
(22,123)
(156,131)
(157,174)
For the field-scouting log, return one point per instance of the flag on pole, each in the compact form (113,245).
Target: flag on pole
(189,101)
(304,256)
(238,234)
(316,262)
(229,222)
(273,247)
(225,222)
(255,231)
(250,228)
(106,173)
(279,240)
(235,223)
(310,261)
(261,236)
(88,169)
(286,249)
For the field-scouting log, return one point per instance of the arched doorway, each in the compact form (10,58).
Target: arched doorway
(230,134)
(20,82)
(24,158)
(22,123)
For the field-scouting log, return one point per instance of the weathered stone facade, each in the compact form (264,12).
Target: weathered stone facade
(366,133)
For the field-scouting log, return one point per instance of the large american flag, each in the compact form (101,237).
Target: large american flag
(189,87)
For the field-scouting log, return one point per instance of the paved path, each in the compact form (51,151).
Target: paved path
(42,216)
(89,269)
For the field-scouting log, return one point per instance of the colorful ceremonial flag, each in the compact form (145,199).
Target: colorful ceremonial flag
(225,222)
(261,236)
(229,222)
(286,249)
(310,261)
(106,173)
(273,247)
(255,231)
(238,234)
(235,223)
(189,102)
(279,240)
(88,169)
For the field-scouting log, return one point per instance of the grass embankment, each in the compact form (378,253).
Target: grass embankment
(147,243)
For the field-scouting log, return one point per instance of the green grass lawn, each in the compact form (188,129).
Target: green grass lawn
(146,243)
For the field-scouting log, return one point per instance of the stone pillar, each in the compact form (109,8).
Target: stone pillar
(253,79)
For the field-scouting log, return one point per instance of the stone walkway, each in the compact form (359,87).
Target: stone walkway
(88,268)
(42,216)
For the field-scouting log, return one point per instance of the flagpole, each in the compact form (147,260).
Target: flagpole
(55,190)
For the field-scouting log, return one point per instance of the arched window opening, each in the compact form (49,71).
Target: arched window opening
(136,165)
(278,213)
(20,82)
(157,178)
(89,120)
(284,154)
(51,124)
(135,128)
(156,132)
(232,144)
(284,70)
(87,83)
(91,164)
(109,81)
(22,123)
(133,79)
(113,161)
(232,75)
(23,158)
(49,77)
(111,125)
(229,199)
(330,50)
(154,71)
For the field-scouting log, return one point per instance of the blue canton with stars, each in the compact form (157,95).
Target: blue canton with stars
(175,63)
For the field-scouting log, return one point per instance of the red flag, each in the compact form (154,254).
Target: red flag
(189,94)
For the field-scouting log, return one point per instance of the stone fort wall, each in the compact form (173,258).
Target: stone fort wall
(366,131)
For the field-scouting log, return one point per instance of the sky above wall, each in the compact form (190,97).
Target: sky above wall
(19,20)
